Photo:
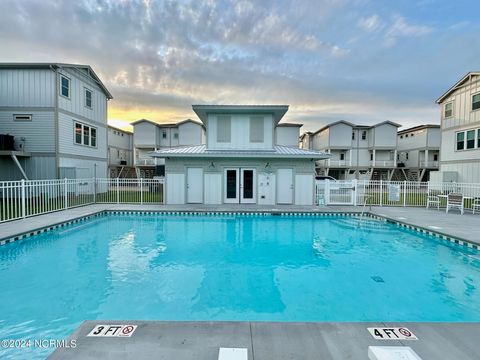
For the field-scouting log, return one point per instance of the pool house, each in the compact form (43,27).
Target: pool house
(249,158)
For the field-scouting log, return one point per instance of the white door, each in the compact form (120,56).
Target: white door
(240,186)
(194,185)
(248,186)
(284,186)
(232,186)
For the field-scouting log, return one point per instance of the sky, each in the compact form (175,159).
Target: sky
(364,61)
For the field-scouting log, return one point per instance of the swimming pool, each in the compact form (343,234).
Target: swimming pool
(232,267)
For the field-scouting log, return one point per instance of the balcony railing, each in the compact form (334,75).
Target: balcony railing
(429,164)
(382,163)
(145,162)
(338,163)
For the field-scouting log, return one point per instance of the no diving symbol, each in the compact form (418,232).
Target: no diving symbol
(127,330)
(405,332)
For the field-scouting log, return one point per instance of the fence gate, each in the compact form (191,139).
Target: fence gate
(336,192)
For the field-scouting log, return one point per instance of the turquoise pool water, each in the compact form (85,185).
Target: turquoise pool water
(276,268)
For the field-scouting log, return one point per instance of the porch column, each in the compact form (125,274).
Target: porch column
(395,154)
(350,152)
(373,164)
(426,158)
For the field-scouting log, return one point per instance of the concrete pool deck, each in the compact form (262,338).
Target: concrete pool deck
(464,227)
(269,341)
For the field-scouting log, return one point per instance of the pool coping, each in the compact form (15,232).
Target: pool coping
(437,234)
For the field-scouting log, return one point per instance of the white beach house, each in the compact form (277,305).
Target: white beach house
(357,151)
(53,121)
(460,125)
(248,158)
(120,153)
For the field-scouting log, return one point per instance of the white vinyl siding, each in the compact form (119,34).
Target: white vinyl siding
(224,129)
(32,88)
(256,129)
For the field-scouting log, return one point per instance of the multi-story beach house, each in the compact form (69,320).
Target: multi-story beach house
(356,151)
(150,136)
(53,121)
(460,131)
(248,158)
(418,152)
(120,153)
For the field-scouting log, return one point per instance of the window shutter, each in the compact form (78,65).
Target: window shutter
(256,129)
(224,128)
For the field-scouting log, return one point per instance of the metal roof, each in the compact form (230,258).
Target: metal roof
(278,151)
(59,65)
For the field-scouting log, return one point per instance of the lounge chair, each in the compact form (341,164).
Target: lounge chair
(475,204)
(433,200)
(455,200)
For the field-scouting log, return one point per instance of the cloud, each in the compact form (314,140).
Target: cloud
(370,23)
(158,57)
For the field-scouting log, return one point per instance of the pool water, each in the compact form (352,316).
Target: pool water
(228,267)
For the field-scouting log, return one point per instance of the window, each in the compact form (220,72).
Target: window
(406,135)
(371,157)
(412,135)
(471,139)
(364,135)
(435,157)
(476,102)
(353,135)
(448,110)
(85,135)
(88,98)
(460,140)
(401,136)
(78,133)
(406,156)
(65,86)
(342,156)
(164,134)
(256,129)
(22,117)
(93,137)
(224,125)
(478,138)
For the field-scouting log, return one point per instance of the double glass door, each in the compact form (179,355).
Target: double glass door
(240,186)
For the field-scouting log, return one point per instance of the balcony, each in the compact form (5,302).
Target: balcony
(383,163)
(429,164)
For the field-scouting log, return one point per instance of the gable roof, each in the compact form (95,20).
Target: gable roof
(356,126)
(201,151)
(88,68)
(202,111)
(457,85)
(118,129)
(289,125)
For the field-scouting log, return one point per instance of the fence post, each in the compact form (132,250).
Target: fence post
(65,192)
(141,191)
(118,192)
(327,191)
(355,184)
(404,193)
(94,190)
(381,192)
(23,198)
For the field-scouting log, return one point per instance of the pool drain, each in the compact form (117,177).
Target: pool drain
(378,279)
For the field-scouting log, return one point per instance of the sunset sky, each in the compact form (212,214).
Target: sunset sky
(358,60)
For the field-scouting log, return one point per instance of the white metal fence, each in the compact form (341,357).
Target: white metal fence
(390,193)
(20,199)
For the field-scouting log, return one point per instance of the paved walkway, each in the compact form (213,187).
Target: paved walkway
(270,341)
(466,227)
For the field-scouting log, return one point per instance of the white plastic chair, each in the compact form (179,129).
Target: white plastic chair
(455,201)
(433,200)
(475,204)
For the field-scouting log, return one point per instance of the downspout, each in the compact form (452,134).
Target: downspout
(56,131)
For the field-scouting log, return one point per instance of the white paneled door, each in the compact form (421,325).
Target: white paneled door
(194,185)
(240,186)
(284,186)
